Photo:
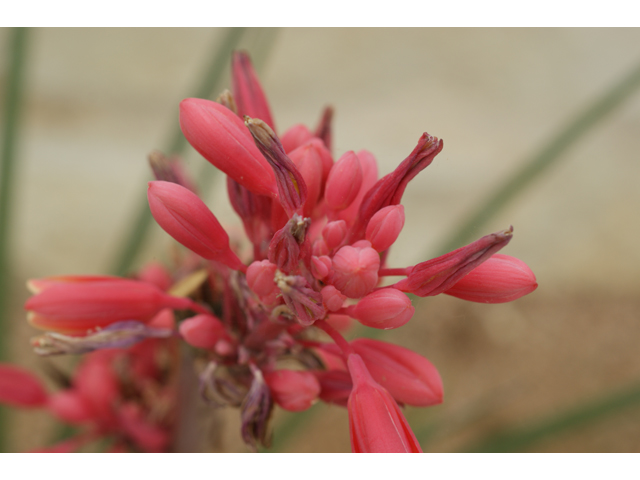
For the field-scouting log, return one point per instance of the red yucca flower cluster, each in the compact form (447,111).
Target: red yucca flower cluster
(319,232)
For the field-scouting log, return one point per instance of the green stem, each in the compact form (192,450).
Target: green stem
(12,107)
(539,163)
(211,80)
(522,438)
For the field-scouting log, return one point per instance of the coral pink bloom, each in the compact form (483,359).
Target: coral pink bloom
(385,308)
(385,226)
(309,162)
(293,390)
(437,275)
(69,406)
(221,137)
(376,424)
(355,270)
(20,388)
(500,279)
(75,308)
(343,184)
(247,91)
(408,377)
(203,331)
(187,219)
(294,137)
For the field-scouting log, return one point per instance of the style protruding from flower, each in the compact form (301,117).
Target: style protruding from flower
(255,314)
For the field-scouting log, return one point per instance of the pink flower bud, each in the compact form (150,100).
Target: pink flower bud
(376,424)
(69,406)
(164,319)
(147,436)
(309,163)
(96,382)
(390,188)
(369,179)
(221,137)
(202,331)
(320,266)
(260,278)
(385,309)
(332,298)
(294,137)
(408,377)
(78,307)
(334,233)
(293,390)
(344,182)
(438,275)
(499,279)
(247,91)
(355,270)
(170,169)
(155,274)
(187,219)
(385,226)
(20,388)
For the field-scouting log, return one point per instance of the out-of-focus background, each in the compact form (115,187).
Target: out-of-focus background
(546,370)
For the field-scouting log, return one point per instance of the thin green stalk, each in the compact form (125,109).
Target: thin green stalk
(522,438)
(211,80)
(12,107)
(540,162)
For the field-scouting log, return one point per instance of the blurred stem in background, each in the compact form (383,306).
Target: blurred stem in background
(136,234)
(210,85)
(523,437)
(548,155)
(11,118)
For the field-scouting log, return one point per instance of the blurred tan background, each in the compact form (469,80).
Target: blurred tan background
(97,101)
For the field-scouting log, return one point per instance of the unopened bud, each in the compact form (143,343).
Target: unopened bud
(344,182)
(499,279)
(203,331)
(355,270)
(439,274)
(221,137)
(334,233)
(332,298)
(187,219)
(20,388)
(260,278)
(385,309)
(293,390)
(294,137)
(320,266)
(385,226)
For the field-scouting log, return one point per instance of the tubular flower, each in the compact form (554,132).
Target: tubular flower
(318,233)
(376,423)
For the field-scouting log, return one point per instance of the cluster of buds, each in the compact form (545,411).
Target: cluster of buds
(319,234)
(123,399)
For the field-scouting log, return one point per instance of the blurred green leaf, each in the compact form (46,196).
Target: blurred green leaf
(548,155)
(11,121)
(521,438)
(209,85)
